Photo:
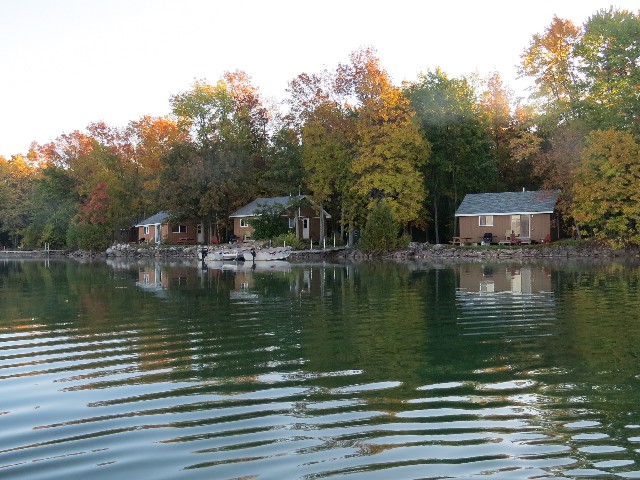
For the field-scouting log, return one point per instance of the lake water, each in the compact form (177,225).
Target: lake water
(166,371)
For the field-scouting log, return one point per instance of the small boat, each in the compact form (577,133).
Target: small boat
(213,256)
(266,254)
(224,255)
(235,254)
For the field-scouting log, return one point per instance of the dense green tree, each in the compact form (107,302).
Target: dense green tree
(462,158)
(185,179)
(609,51)
(284,174)
(55,204)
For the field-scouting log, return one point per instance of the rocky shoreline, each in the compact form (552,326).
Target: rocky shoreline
(416,251)
(426,251)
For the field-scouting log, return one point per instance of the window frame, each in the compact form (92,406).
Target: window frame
(178,229)
(244,223)
(488,220)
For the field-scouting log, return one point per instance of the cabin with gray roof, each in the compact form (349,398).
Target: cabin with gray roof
(159,228)
(530,215)
(308,216)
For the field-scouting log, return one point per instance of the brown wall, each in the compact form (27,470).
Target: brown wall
(242,232)
(314,226)
(540,227)
(189,237)
(148,238)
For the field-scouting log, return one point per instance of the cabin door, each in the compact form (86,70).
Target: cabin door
(521,225)
(305,229)
(157,233)
(200,234)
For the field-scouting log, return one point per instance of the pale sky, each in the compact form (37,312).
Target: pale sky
(66,63)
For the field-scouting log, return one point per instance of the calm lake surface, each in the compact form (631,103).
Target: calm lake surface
(167,371)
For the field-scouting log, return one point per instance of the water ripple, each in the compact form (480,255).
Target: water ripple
(369,375)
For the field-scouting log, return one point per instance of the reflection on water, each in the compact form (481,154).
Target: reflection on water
(159,370)
(517,279)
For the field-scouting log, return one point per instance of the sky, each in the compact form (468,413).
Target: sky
(67,63)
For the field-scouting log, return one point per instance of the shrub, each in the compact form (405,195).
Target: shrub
(88,236)
(380,234)
(288,239)
(269,222)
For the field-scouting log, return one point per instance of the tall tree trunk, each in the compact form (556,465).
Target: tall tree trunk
(342,223)
(350,233)
(435,219)
(322,222)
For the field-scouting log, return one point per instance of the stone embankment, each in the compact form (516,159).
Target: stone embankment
(416,251)
(420,251)
(125,250)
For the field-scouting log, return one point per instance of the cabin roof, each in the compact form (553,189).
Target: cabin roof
(249,209)
(158,218)
(508,203)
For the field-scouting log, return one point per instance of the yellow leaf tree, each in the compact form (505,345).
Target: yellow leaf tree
(606,200)
(390,147)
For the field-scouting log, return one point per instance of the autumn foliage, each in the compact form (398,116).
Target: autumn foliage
(355,142)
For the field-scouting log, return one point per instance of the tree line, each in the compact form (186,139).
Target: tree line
(349,139)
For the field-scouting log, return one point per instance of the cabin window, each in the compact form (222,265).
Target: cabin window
(145,230)
(244,223)
(179,229)
(485,220)
(292,222)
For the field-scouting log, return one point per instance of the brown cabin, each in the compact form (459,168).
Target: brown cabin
(526,217)
(308,217)
(159,229)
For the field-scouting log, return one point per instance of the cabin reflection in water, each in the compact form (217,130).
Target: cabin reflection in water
(519,279)
(158,277)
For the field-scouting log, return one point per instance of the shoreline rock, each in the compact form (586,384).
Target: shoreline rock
(415,251)
(418,251)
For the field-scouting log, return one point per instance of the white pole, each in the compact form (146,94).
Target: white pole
(324,243)
(311,245)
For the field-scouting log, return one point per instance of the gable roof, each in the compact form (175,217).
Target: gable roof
(508,203)
(249,209)
(158,218)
